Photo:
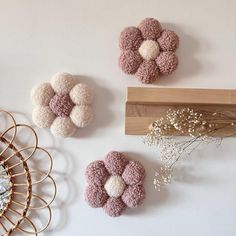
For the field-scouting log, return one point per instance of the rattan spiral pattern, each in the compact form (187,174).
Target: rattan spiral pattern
(14,160)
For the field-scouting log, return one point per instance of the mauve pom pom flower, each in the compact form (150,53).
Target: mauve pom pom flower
(115,183)
(148,51)
(63,105)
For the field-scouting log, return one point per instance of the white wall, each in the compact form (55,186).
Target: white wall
(39,38)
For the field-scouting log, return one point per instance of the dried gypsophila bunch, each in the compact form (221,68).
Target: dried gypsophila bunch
(198,126)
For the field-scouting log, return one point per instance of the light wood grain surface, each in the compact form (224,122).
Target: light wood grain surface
(145,105)
(181,96)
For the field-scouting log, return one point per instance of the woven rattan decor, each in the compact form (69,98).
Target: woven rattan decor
(22,199)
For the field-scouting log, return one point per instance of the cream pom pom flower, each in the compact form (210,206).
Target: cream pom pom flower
(63,105)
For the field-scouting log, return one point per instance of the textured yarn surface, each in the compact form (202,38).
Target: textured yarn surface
(148,51)
(115,183)
(62,105)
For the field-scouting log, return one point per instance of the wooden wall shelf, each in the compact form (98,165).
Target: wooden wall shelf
(145,105)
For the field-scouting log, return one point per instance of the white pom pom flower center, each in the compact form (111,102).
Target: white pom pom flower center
(115,186)
(149,50)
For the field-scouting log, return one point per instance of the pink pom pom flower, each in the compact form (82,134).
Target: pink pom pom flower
(114,184)
(148,51)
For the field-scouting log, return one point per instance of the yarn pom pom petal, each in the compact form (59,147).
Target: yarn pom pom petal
(148,72)
(150,28)
(168,41)
(130,38)
(63,127)
(43,117)
(81,94)
(81,115)
(96,173)
(133,196)
(167,62)
(62,83)
(41,94)
(115,163)
(134,173)
(114,207)
(130,61)
(96,196)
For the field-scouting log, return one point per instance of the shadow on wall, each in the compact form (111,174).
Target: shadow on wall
(66,194)
(189,47)
(62,173)
(67,189)
(185,173)
(103,100)
(153,198)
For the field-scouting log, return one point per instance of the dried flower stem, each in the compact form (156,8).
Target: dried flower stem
(198,125)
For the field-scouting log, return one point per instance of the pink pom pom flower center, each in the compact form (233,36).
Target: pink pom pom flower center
(61,105)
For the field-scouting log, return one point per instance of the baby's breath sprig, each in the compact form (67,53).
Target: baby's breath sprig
(198,126)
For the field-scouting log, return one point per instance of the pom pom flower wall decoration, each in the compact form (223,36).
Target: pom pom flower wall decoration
(115,184)
(148,51)
(22,201)
(63,105)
